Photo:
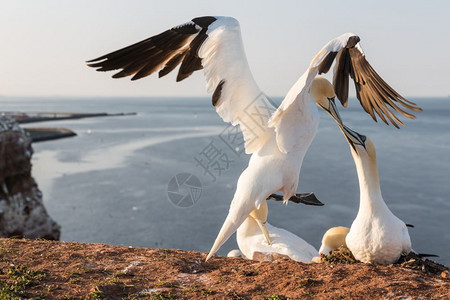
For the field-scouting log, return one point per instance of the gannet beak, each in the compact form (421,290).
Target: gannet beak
(352,137)
(333,111)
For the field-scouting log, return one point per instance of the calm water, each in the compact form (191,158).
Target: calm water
(109,184)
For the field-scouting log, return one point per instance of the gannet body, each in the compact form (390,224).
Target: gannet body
(277,138)
(234,253)
(252,242)
(376,235)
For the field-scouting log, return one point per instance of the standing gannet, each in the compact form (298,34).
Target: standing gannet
(277,145)
(376,235)
(253,244)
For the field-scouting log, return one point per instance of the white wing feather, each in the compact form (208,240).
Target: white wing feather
(215,45)
(288,117)
(241,102)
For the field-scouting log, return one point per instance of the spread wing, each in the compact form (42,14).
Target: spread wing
(213,44)
(374,94)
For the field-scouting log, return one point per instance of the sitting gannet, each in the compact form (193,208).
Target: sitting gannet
(234,253)
(253,244)
(376,234)
(277,138)
(333,239)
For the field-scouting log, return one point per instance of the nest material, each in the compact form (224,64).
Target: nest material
(413,261)
(342,255)
(416,262)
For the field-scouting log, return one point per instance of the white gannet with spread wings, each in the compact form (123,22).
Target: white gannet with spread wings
(278,142)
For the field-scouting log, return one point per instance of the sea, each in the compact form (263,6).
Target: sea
(165,177)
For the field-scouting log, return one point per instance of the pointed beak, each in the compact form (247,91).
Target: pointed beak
(352,137)
(332,110)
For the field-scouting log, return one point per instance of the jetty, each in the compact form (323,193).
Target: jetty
(41,134)
(32,117)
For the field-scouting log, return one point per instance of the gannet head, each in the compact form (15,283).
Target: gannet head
(322,92)
(333,239)
(363,146)
(357,142)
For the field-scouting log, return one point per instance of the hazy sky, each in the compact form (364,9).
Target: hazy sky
(44,43)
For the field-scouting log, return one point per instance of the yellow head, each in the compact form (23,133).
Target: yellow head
(333,239)
(322,92)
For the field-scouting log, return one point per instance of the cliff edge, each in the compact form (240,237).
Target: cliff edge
(69,270)
(22,212)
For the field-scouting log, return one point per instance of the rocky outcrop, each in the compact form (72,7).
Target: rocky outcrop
(22,212)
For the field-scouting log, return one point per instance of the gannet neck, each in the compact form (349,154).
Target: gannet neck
(371,198)
(376,234)
(248,228)
(261,213)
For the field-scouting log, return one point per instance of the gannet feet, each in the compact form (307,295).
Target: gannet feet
(260,256)
(317,259)
(264,230)
(305,198)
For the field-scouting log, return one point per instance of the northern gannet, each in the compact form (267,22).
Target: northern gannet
(234,253)
(333,239)
(253,244)
(277,141)
(376,235)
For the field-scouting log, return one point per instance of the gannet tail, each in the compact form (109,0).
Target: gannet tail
(236,216)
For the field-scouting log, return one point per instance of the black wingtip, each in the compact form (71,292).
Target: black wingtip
(409,225)
(204,21)
(92,60)
(118,75)
(94,63)
(217,93)
(352,41)
(325,65)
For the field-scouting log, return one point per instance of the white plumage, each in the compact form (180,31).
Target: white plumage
(333,239)
(252,242)
(376,235)
(277,146)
